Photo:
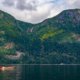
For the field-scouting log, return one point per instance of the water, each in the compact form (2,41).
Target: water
(42,72)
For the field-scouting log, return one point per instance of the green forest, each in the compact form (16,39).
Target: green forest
(54,41)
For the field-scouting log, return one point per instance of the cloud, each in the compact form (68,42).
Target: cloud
(72,3)
(8,2)
(23,4)
(35,11)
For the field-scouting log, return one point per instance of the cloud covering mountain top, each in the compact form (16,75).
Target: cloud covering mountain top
(35,11)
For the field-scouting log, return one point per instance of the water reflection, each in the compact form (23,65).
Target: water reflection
(40,72)
(10,72)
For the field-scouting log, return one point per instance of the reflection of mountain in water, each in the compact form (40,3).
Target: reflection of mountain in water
(50,72)
(10,74)
(18,72)
(42,72)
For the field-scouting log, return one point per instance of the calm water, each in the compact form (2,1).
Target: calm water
(42,72)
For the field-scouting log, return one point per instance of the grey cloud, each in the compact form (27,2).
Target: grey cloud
(8,2)
(77,4)
(23,5)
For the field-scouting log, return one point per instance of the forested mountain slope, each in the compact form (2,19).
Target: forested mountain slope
(53,41)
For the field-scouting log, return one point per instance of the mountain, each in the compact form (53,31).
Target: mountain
(54,41)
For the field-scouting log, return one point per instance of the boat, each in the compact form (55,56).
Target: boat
(6,68)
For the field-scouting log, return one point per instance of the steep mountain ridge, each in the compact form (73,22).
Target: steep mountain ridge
(53,41)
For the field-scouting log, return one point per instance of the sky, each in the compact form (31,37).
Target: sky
(35,11)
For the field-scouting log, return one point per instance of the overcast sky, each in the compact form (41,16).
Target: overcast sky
(35,11)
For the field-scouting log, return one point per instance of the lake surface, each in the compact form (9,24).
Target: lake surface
(41,72)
